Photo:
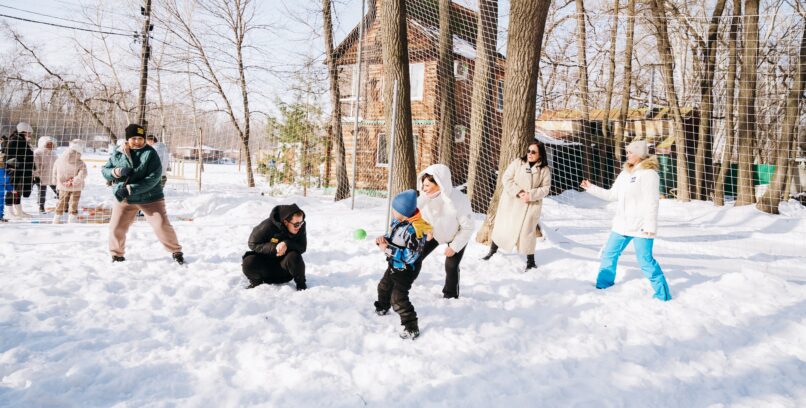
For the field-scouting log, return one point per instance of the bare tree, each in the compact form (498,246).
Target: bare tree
(480,167)
(620,131)
(665,52)
(342,183)
(582,62)
(747,98)
(213,52)
(775,192)
(394,40)
(730,91)
(526,26)
(445,84)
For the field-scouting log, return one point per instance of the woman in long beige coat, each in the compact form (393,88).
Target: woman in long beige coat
(527,181)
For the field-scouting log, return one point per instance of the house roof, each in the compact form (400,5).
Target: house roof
(658,113)
(424,15)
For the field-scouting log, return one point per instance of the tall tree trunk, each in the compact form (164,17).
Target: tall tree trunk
(394,40)
(582,63)
(665,51)
(524,41)
(702,165)
(446,83)
(620,131)
(480,169)
(611,79)
(774,194)
(730,96)
(747,98)
(342,183)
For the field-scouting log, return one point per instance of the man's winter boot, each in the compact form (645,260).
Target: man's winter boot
(179,258)
(410,332)
(530,262)
(57,219)
(252,285)
(493,250)
(380,310)
(42,209)
(116,258)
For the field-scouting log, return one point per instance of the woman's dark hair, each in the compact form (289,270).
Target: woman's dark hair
(428,177)
(541,148)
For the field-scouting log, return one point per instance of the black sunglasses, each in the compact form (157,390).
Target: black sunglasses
(296,224)
(532,151)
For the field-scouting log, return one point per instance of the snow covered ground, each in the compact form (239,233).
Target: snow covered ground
(76,330)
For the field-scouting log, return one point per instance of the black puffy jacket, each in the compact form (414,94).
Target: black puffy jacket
(272,231)
(17,148)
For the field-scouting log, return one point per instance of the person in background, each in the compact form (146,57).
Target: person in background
(134,170)
(527,180)
(403,247)
(165,157)
(636,190)
(69,173)
(448,211)
(17,149)
(44,158)
(5,184)
(276,246)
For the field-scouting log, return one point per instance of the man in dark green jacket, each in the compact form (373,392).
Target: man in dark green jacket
(134,170)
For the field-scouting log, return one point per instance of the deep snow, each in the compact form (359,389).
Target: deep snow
(77,330)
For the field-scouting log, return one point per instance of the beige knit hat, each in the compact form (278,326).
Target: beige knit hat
(639,148)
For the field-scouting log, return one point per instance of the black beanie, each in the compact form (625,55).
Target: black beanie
(135,130)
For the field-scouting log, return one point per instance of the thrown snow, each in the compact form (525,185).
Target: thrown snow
(80,331)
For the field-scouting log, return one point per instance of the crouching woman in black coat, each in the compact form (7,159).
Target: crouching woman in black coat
(276,247)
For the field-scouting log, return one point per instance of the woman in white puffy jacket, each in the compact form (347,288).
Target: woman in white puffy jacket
(637,193)
(44,158)
(448,211)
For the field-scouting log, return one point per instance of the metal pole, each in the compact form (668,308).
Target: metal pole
(357,105)
(652,91)
(145,55)
(201,160)
(391,158)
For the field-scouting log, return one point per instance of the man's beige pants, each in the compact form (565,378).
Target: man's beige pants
(124,214)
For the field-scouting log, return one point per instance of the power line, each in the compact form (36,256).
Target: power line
(59,18)
(64,26)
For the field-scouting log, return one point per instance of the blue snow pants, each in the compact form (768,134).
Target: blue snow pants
(643,251)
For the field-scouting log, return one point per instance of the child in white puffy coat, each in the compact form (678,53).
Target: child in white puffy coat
(636,219)
(69,172)
(44,158)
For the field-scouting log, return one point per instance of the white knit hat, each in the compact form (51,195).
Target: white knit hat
(77,145)
(639,148)
(24,127)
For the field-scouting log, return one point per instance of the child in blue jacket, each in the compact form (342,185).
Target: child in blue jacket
(5,184)
(403,246)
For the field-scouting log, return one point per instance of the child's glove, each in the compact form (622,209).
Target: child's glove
(122,193)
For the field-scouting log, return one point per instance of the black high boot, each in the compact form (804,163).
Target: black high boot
(530,262)
(493,250)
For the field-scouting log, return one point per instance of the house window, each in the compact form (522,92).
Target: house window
(382,154)
(459,133)
(500,95)
(461,70)
(417,79)
(348,89)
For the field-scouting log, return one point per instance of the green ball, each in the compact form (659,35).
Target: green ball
(359,234)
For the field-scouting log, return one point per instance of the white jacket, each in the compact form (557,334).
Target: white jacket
(638,197)
(44,159)
(165,157)
(449,213)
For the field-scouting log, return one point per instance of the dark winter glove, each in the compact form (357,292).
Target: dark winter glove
(302,286)
(122,193)
(125,172)
(37,181)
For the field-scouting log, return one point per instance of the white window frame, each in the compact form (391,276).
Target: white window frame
(417,88)
(354,103)
(378,150)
